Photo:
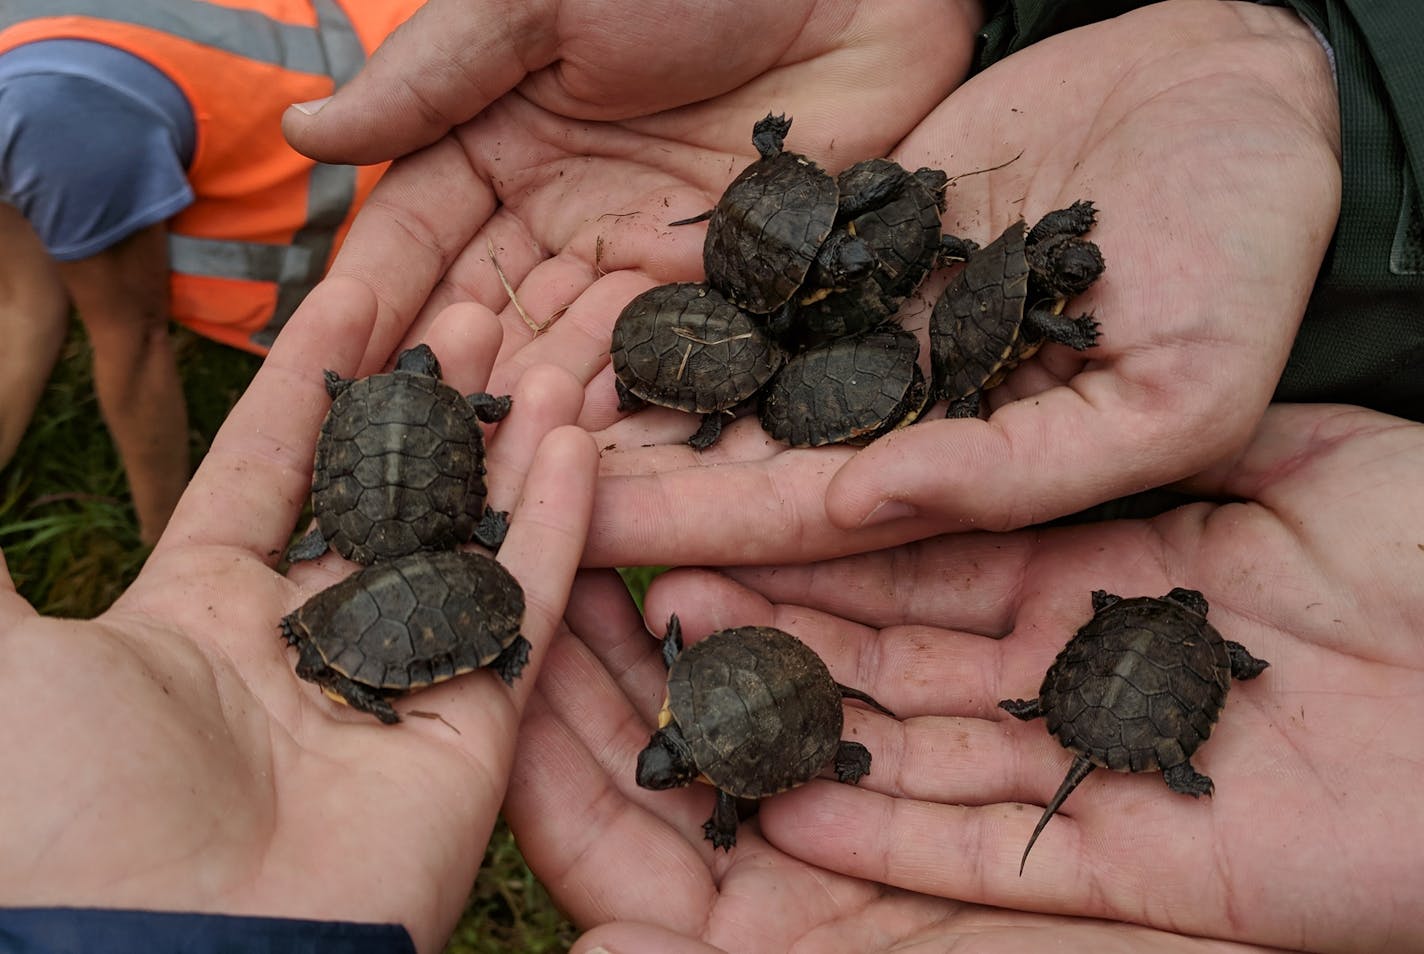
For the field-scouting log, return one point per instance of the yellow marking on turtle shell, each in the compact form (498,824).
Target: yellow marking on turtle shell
(334,696)
(665,713)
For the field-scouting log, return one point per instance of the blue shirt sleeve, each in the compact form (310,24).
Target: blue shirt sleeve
(89,930)
(94,142)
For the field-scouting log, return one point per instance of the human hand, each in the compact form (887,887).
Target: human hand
(1311,561)
(1206,133)
(166,756)
(581,129)
(633,866)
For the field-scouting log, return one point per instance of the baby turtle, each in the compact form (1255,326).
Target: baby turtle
(408,623)
(685,346)
(1008,300)
(400,466)
(753,711)
(907,239)
(771,233)
(848,391)
(1137,689)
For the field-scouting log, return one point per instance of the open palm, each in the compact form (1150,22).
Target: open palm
(633,865)
(166,755)
(564,137)
(1312,561)
(1206,135)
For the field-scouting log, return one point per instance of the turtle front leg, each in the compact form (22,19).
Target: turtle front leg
(952,248)
(1077,219)
(511,662)
(489,408)
(964,407)
(1024,709)
(1079,333)
(1185,780)
(852,762)
(721,828)
(877,192)
(338,687)
(492,529)
(308,547)
(1243,664)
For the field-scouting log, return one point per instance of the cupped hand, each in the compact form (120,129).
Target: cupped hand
(1206,134)
(564,137)
(1312,560)
(165,755)
(632,866)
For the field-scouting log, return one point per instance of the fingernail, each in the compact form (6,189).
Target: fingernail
(888,510)
(312,106)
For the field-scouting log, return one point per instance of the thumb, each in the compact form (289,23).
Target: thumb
(450,60)
(1035,459)
(629,937)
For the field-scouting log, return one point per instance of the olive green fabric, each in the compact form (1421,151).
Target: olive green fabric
(1362,340)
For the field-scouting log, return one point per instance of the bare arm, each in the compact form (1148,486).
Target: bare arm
(34,312)
(122,297)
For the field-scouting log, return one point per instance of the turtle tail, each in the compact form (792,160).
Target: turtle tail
(1076,773)
(848,693)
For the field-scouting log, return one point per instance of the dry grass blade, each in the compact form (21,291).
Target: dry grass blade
(534,326)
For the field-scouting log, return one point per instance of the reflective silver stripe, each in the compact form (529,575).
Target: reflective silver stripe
(329,198)
(332,49)
(332,189)
(246,33)
(249,261)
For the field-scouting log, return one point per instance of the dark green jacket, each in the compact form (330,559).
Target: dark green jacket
(1362,340)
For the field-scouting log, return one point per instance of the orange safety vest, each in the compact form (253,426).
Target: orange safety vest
(265,221)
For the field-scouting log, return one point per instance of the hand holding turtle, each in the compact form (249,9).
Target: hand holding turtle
(564,137)
(171,758)
(1210,152)
(634,866)
(1314,565)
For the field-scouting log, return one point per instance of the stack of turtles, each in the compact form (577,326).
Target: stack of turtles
(804,270)
(397,485)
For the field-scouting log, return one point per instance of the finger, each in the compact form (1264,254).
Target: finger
(541,550)
(968,581)
(630,937)
(442,66)
(769,511)
(254,481)
(570,809)
(406,236)
(581,317)
(13,606)
(545,398)
(912,670)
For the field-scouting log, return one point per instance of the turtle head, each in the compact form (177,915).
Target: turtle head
(1066,264)
(844,258)
(666,762)
(419,360)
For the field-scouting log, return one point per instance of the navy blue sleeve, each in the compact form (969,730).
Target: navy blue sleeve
(93,144)
(88,930)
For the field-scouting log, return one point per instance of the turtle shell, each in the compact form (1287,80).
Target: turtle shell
(399,467)
(850,390)
(758,708)
(766,228)
(412,621)
(1140,685)
(976,327)
(687,347)
(904,236)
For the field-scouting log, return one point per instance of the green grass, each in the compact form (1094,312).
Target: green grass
(69,534)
